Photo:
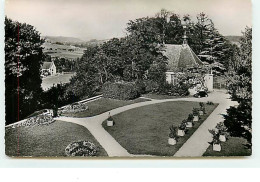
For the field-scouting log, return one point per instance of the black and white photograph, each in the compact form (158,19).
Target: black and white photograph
(135,79)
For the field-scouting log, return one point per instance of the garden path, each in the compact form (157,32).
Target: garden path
(198,143)
(193,147)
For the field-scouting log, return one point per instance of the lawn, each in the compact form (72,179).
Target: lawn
(234,146)
(145,130)
(160,96)
(103,105)
(51,141)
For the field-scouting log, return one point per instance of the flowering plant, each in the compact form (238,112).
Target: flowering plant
(202,107)
(222,129)
(173,132)
(182,126)
(81,148)
(195,111)
(215,138)
(210,103)
(190,118)
(110,118)
(201,104)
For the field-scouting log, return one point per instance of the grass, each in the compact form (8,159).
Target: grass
(103,105)
(234,146)
(43,141)
(145,130)
(160,96)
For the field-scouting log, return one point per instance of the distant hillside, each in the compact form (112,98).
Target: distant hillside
(54,39)
(234,39)
(61,40)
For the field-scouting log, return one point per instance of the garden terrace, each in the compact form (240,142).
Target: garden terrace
(234,146)
(145,130)
(47,141)
(103,105)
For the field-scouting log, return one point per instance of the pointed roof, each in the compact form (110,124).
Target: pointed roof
(47,65)
(180,56)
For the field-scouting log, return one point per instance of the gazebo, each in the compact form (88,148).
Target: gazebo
(181,57)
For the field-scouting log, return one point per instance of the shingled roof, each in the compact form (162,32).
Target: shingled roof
(46,65)
(180,56)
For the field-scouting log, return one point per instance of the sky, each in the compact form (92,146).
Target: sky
(104,19)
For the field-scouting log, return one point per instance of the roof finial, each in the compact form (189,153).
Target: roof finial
(185,41)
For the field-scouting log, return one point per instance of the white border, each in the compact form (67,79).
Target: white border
(253,161)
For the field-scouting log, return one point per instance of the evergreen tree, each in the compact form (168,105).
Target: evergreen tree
(239,119)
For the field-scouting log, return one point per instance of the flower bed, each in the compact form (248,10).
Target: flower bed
(81,148)
(73,108)
(42,119)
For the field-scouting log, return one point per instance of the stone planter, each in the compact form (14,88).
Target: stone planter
(110,123)
(195,118)
(201,113)
(180,132)
(172,141)
(189,124)
(222,138)
(217,147)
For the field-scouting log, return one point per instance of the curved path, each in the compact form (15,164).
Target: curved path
(196,145)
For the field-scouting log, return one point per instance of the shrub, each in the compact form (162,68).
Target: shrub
(195,111)
(215,136)
(174,90)
(151,86)
(222,129)
(120,90)
(190,117)
(201,105)
(173,132)
(210,103)
(140,86)
(182,126)
(81,148)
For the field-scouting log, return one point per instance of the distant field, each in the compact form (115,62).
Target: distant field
(50,80)
(62,51)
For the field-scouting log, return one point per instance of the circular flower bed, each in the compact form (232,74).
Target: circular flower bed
(81,148)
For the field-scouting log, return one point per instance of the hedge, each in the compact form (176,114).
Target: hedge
(120,90)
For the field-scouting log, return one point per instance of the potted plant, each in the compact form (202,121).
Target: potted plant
(195,114)
(189,122)
(215,141)
(173,137)
(202,109)
(182,128)
(222,130)
(110,121)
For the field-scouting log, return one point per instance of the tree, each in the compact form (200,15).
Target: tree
(23,60)
(87,79)
(209,44)
(239,119)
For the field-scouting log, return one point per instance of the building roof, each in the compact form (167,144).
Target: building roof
(180,56)
(47,65)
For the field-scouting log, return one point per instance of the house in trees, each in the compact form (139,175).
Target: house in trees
(48,68)
(182,57)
